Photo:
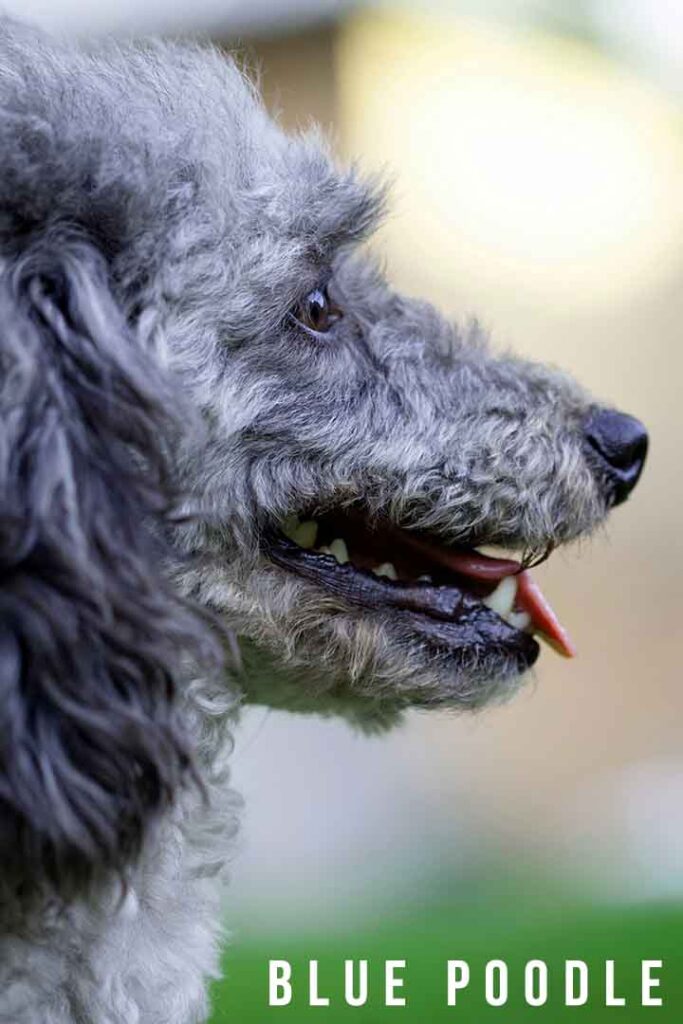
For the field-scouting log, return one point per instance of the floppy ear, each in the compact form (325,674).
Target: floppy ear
(90,629)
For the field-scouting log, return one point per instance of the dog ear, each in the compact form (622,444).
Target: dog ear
(90,628)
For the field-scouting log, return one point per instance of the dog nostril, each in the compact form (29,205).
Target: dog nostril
(620,441)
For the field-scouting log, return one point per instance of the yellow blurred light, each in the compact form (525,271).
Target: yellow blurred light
(523,162)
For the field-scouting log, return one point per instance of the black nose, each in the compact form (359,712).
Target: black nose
(620,443)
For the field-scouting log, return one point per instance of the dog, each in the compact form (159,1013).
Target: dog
(235,466)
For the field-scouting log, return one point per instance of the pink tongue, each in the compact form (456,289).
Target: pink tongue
(466,561)
(530,598)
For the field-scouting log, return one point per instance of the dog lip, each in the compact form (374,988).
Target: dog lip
(446,615)
(485,631)
(449,603)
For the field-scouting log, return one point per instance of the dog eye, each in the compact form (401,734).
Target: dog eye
(317,313)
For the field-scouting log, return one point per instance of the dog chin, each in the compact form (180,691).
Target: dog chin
(308,652)
(371,673)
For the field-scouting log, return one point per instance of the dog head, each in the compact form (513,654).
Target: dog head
(168,257)
(377,453)
(363,449)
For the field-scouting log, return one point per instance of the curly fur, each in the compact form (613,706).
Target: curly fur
(157,412)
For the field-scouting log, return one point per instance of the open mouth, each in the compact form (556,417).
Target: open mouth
(456,596)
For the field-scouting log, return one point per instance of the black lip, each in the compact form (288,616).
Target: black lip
(445,615)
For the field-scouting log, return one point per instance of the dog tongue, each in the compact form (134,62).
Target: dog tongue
(532,600)
(530,597)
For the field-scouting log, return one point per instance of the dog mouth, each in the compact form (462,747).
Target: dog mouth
(454,596)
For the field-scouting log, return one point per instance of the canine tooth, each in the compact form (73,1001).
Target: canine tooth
(339,549)
(502,599)
(519,620)
(425,578)
(305,533)
(386,569)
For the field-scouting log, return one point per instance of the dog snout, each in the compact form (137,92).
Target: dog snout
(620,443)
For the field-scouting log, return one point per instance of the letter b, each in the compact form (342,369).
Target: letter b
(279,983)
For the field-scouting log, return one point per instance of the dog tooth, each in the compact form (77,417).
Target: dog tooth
(290,526)
(305,534)
(502,600)
(497,551)
(518,620)
(386,569)
(425,578)
(339,549)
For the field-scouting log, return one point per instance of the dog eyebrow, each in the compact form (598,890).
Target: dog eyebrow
(333,207)
(352,209)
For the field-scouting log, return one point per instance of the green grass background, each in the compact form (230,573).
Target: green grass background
(552,928)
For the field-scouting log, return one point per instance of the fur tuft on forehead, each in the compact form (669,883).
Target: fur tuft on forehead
(321,205)
(166,158)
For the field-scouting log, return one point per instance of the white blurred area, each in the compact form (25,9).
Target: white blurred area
(130,17)
(529,169)
(537,152)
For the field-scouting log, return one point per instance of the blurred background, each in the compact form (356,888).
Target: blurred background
(536,149)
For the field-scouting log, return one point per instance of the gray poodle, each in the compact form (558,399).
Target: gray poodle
(234,466)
